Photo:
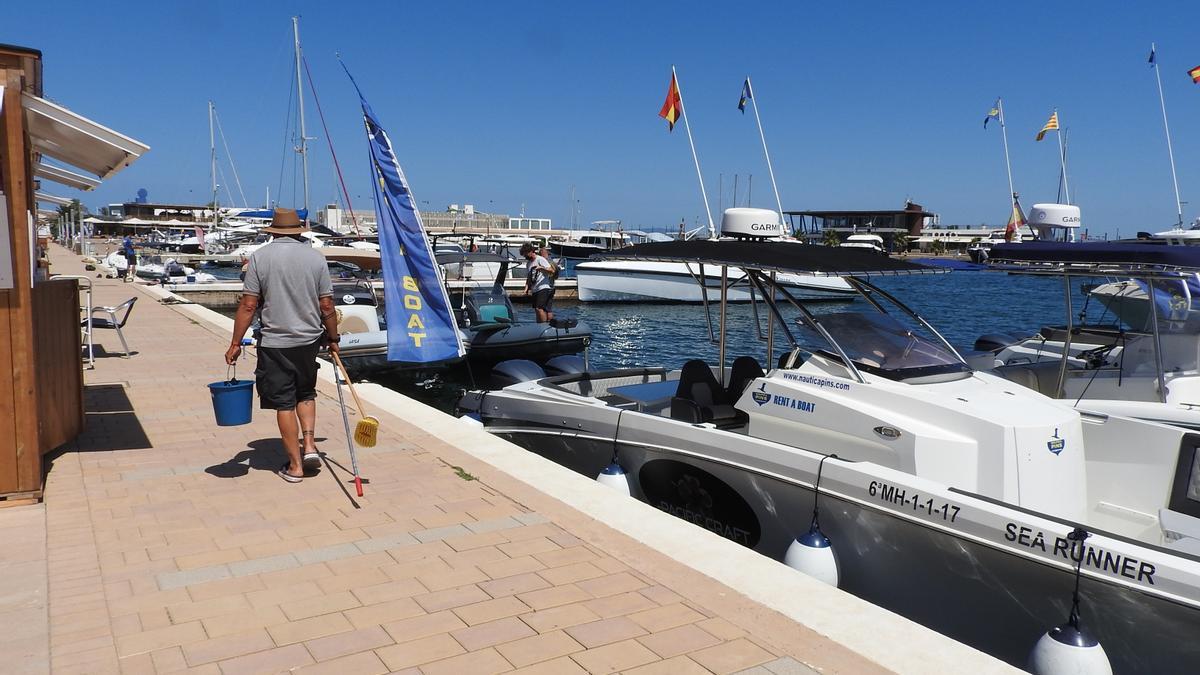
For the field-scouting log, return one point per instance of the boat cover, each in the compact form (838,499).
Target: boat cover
(773,256)
(1105,256)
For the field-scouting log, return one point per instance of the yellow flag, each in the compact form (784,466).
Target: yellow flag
(1051,125)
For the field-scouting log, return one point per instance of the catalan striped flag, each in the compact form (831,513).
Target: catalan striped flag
(673,107)
(746,96)
(1195,73)
(1051,125)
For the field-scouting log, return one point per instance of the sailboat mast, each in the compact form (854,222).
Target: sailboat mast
(303,148)
(1012,193)
(212,151)
(1170,151)
(1062,156)
(763,137)
(712,230)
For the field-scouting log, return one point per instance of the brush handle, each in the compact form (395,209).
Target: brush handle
(346,376)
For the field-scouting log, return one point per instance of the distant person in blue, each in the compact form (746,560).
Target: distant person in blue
(130,259)
(538,282)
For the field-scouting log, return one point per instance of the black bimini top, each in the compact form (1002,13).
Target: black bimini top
(1045,257)
(772,256)
(455,257)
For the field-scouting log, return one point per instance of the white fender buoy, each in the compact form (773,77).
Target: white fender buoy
(471,420)
(614,476)
(1067,650)
(812,554)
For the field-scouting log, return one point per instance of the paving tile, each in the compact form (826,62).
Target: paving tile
(421,651)
(508,567)
(272,563)
(170,580)
(721,628)
(228,624)
(437,533)
(361,640)
(452,578)
(520,583)
(679,665)
(318,605)
(566,556)
(223,587)
(309,629)
(676,641)
(570,573)
(388,590)
(621,582)
(168,636)
(614,657)
(620,604)
(482,662)
(662,618)
(423,626)
(362,663)
(560,666)
(451,598)
(326,553)
(538,648)
(383,612)
(605,631)
(492,633)
(553,597)
(554,618)
(277,660)
(730,657)
(786,665)
(202,609)
(227,647)
(489,610)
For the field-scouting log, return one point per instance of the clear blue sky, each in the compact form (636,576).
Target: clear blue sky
(504,104)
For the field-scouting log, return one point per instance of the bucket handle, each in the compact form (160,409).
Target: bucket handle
(231,368)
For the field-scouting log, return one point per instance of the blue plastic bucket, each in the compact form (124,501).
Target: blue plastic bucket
(233,401)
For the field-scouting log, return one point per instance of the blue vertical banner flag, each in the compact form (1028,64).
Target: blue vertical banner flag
(421,326)
(747,94)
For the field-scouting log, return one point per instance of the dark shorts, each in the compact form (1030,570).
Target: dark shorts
(544,300)
(286,376)
(131,258)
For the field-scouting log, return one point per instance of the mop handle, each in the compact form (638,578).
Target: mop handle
(346,423)
(346,376)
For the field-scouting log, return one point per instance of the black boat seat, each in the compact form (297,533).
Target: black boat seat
(564,323)
(745,369)
(1041,377)
(699,398)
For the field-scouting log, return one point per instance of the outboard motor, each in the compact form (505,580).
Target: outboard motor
(566,364)
(994,342)
(514,371)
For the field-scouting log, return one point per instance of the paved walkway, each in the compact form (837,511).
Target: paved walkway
(170,545)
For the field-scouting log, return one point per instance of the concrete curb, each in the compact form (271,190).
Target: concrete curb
(876,634)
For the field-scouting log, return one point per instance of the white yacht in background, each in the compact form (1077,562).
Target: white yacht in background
(869,242)
(581,245)
(1179,236)
(659,281)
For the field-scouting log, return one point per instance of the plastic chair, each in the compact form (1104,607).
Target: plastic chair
(111,321)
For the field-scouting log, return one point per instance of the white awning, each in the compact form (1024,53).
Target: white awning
(51,199)
(68,178)
(59,133)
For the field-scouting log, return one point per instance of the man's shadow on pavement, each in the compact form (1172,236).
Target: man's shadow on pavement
(264,454)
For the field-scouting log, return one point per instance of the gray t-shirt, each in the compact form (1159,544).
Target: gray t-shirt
(289,277)
(540,280)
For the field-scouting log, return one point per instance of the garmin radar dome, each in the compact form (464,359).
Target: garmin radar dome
(1045,219)
(746,222)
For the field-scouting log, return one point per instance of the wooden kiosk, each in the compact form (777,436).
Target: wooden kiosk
(41,378)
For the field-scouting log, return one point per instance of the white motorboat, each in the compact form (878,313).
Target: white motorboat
(1148,368)
(580,245)
(869,242)
(954,497)
(618,280)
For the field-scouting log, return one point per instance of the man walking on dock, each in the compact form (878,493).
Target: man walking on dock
(289,282)
(538,281)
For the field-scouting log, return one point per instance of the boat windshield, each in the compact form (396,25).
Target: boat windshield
(880,344)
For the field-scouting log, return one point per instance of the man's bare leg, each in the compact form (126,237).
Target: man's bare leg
(288,430)
(306,412)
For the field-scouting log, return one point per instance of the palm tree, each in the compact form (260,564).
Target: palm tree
(830,238)
(900,242)
(938,247)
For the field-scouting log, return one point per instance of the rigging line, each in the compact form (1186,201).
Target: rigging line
(329,139)
(229,156)
(287,127)
(221,173)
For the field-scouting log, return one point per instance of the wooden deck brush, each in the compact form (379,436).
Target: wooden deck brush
(366,432)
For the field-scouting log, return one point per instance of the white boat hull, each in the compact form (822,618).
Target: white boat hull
(638,281)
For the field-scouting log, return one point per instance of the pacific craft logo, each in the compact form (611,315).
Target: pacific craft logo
(1056,444)
(761,397)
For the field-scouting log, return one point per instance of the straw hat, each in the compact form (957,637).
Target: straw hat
(286,221)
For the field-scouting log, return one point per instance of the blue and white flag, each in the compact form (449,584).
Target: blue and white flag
(421,326)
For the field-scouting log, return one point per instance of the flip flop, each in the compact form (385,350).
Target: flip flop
(283,473)
(312,460)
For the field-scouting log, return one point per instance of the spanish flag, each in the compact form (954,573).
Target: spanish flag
(1015,221)
(1195,73)
(673,106)
(1051,125)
